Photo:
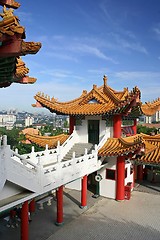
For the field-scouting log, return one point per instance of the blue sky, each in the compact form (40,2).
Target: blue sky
(84,39)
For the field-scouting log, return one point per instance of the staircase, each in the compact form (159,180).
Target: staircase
(79,149)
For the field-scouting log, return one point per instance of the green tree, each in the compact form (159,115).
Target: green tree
(145,130)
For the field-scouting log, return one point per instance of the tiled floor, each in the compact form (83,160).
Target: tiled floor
(137,218)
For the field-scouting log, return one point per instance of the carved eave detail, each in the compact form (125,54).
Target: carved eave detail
(21,69)
(30,47)
(10,3)
(10,26)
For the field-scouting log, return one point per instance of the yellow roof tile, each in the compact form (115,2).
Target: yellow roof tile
(150,108)
(51,141)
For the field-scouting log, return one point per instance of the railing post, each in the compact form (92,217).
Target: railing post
(4,140)
(58,152)
(16,150)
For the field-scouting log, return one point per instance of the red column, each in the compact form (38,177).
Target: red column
(72,123)
(134,127)
(140,172)
(117,121)
(120,178)
(134,174)
(32,206)
(59,195)
(24,222)
(84,192)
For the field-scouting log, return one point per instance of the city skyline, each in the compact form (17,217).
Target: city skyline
(82,41)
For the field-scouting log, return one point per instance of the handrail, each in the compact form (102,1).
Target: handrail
(23,160)
(103,140)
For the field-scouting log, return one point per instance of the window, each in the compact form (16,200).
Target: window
(131,169)
(125,172)
(110,174)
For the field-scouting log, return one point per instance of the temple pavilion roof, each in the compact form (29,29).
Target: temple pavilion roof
(134,145)
(152,156)
(99,101)
(12,46)
(150,108)
(42,141)
(124,146)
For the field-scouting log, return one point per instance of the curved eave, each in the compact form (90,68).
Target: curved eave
(151,108)
(152,156)
(42,141)
(77,107)
(121,146)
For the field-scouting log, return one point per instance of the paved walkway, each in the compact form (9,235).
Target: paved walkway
(108,219)
(148,187)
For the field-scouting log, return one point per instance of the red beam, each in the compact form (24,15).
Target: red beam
(11,48)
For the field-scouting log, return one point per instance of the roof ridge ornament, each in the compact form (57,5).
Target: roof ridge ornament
(7,13)
(105,80)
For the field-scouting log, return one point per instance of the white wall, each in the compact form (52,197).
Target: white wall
(83,129)
(129,177)
(9,190)
(107,186)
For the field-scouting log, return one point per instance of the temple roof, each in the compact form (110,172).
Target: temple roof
(100,100)
(42,141)
(134,145)
(121,146)
(154,155)
(150,108)
(12,46)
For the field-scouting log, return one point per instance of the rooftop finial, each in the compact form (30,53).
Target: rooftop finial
(105,80)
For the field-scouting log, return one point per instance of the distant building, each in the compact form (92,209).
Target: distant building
(7,120)
(29,121)
(150,119)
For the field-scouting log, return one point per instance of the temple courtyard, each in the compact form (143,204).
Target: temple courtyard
(104,218)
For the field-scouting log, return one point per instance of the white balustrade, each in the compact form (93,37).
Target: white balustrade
(44,171)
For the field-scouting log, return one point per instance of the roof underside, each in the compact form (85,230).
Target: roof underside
(12,46)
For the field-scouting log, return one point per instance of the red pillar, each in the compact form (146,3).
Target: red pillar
(59,195)
(72,123)
(117,121)
(24,222)
(134,127)
(84,192)
(32,206)
(140,173)
(120,178)
(134,174)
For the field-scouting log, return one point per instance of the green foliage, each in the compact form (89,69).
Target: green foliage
(26,148)
(146,130)
(12,136)
(47,129)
